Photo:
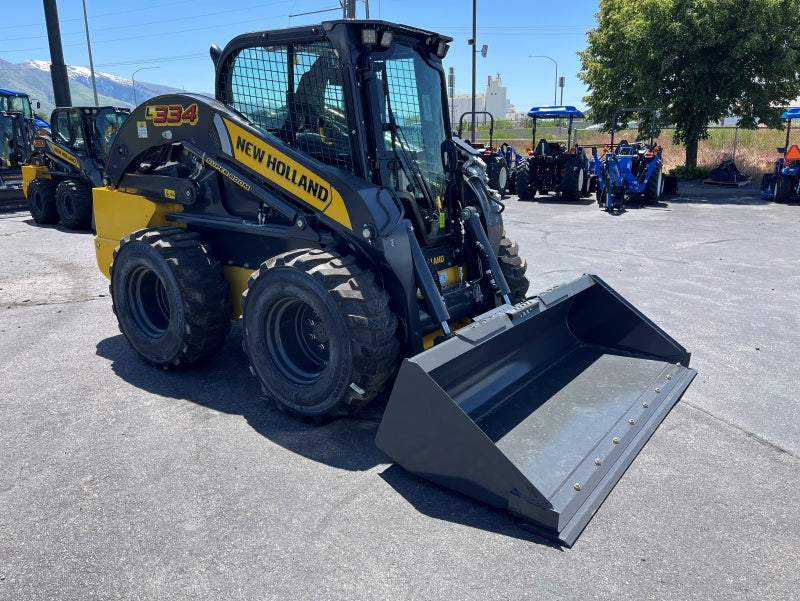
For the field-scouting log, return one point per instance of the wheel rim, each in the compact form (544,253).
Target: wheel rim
(148,302)
(38,202)
(297,340)
(67,207)
(580,181)
(502,178)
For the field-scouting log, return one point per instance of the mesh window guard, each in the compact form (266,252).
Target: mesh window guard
(295,93)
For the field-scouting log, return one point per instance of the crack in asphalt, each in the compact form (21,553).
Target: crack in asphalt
(750,434)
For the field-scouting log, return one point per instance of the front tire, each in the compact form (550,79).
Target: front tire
(319,333)
(513,267)
(42,201)
(74,203)
(170,297)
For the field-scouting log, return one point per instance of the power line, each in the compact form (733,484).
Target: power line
(160,22)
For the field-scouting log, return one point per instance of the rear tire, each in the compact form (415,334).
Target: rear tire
(42,201)
(74,203)
(513,267)
(655,186)
(497,170)
(523,180)
(170,297)
(573,183)
(319,333)
(783,188)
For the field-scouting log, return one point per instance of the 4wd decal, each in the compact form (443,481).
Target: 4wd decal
(163,115)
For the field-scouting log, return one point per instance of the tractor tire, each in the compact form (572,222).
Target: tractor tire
(523,181)
(42,201)
(170,297)
(783,188)
(512,182)
(74,203)
(655,186)
(497,170)
(319,333)
(513,267)
(574,180)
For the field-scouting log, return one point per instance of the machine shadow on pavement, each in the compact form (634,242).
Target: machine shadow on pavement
(224,383)
(547,200)
(441,503)
(60,228)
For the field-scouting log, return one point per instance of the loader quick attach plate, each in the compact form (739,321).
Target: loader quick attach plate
(538,408)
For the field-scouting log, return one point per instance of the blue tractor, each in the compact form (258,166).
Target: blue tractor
(559,167)
(629,171)
(783,183)
(497,167)
(17,128)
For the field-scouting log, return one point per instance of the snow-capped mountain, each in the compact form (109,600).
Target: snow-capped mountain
(33,77)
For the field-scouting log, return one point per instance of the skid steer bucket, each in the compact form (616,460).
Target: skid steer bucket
(538,408)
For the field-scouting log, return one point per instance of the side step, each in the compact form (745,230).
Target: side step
(538,408)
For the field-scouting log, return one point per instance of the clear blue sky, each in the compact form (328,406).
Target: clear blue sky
(174,35)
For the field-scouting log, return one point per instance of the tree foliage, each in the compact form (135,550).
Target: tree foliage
(695,61)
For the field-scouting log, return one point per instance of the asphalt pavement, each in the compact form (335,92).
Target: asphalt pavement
(119,481)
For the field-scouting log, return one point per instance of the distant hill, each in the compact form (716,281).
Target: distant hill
(33,77)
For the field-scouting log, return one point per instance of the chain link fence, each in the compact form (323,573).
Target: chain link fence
(754,151)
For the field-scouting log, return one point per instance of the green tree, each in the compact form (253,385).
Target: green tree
(695,61)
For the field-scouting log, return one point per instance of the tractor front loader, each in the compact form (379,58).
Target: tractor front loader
(322,201)
(67,163)
(629,171)
(783,183)
(17,128)
(497,166)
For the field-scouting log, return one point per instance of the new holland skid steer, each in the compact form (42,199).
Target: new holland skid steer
(66,164)
(321,197)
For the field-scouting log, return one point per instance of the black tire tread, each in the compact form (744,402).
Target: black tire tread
(783,188)
(81,216)
(46,189)
(513,267)
(570,188)
(523,180)
(204,290)
(365,307)
(651,190)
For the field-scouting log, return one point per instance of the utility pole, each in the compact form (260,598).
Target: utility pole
(58,70)
(451,81)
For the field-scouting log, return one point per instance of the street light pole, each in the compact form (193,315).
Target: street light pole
(555,87)
(133,82)
(91,62)
(474,58)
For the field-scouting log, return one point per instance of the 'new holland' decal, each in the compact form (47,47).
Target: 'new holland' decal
(65,156)
(286,173)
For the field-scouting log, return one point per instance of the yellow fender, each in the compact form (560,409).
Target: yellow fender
(113,223)
(30,173)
